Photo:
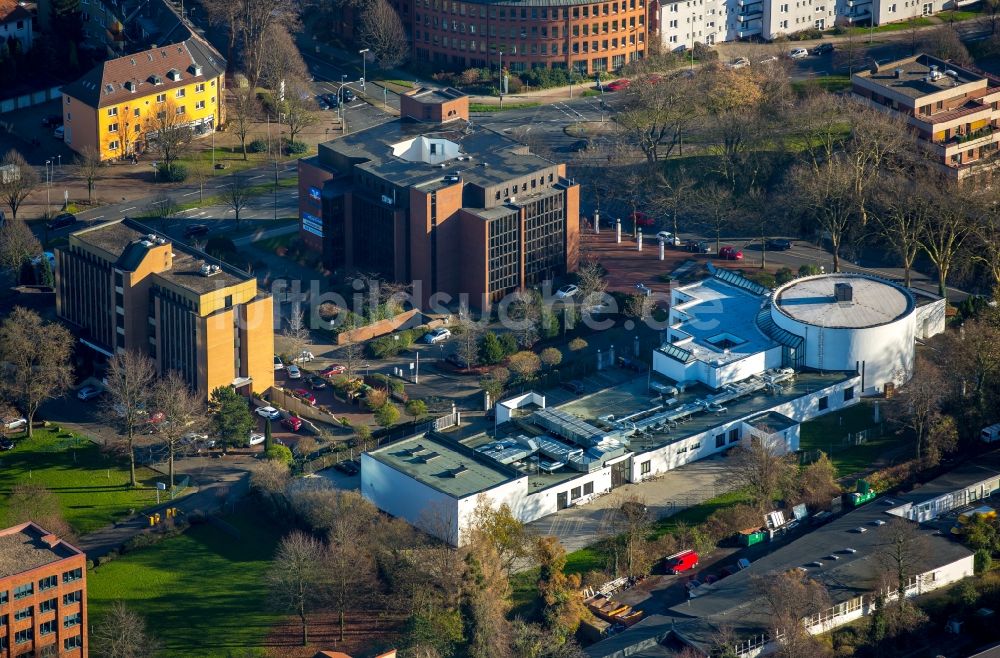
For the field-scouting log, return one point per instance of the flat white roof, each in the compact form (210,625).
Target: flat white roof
(874,302)
(721,321)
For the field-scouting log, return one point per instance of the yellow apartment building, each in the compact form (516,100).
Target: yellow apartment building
(125,287)
(118,106)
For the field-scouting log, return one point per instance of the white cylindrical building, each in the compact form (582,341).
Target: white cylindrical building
(850,322)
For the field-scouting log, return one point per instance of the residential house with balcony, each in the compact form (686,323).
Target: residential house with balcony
(953,110)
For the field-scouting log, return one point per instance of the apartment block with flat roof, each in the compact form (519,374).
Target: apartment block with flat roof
(953,110)
(43,594)
(438,201)
(127,288)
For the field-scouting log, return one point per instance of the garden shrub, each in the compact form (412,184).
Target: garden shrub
(258,145)
(296,148)
(279,453)
(176,174)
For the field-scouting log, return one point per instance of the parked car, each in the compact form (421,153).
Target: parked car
(61,221)
(567,291)
(293,423)
(698,246)
(798,53)
(823,48)
(347,467)
(305,396)
(643,289)
(59,132)
(322,104)
(268,412)
(294,372)
(6,444)
(769,60)
(739,63)
(316,383)
(348,95)
(642,219)
(730,253)
(457,361)
(14,423)
(194,230)
(331,100)
(681,561)
(618,85)
(257,438)
(52,120)
(88,392)
(438,335)
(278,365)
(779,244)
(599,307)
(333,369)
(669,238)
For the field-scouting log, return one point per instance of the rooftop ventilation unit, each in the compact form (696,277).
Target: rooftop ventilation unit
(458,470)
(161,241)
(850,551)
(860,530)
(897,73)
(209,270)
(951,73)
(878,523)
(843,293)
(151,237)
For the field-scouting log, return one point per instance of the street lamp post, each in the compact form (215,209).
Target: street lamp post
(343,110)
(364,70)
(48,188)
(501,79)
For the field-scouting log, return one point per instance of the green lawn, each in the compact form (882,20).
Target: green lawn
(92,488)
(828,433)
(830,83)
(202,593)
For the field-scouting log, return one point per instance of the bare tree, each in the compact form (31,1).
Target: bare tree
(90,166)
(18,180)
(656,115)
(236,195)
(294,337)
(283,64)
(17,244)
(382,31)
(880,143)
(762,466)
(253,25)
(792,597)
(902,213)
(169,134)
(826,195)
(122,633)
(671,193)
(36,357)
(899,553)
(714,208)
(130,379)
(468,337)
(182,413)
(298,110)
(632,524)
(591,282)
(298,578)
(986,232)
(242,113)
(946,231)
(819,121)
(33,502)
(510,541)
(918,405)
(991,15)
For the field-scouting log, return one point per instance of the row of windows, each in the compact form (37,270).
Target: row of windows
(535,32)
(585,490)
(162,98)
(535,13)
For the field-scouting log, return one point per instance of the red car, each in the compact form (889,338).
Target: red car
(293,423)
(642,219)
(680,562)
(730,253)
(618,85)
(305,395)
(335,369)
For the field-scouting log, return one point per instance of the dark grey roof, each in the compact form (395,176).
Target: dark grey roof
(493,158)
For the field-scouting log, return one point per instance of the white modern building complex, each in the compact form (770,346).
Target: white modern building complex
(686,22)
(738,361)
(726,328)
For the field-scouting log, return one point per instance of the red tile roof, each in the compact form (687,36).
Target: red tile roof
(11,10)
(147,72)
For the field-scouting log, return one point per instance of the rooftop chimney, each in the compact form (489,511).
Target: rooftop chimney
(843,293)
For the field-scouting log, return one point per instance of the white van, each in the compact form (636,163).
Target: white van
(990,434)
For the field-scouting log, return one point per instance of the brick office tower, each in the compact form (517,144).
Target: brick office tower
(43,594)
(433,199)
(124,287)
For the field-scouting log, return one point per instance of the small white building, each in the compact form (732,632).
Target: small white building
(15,25)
